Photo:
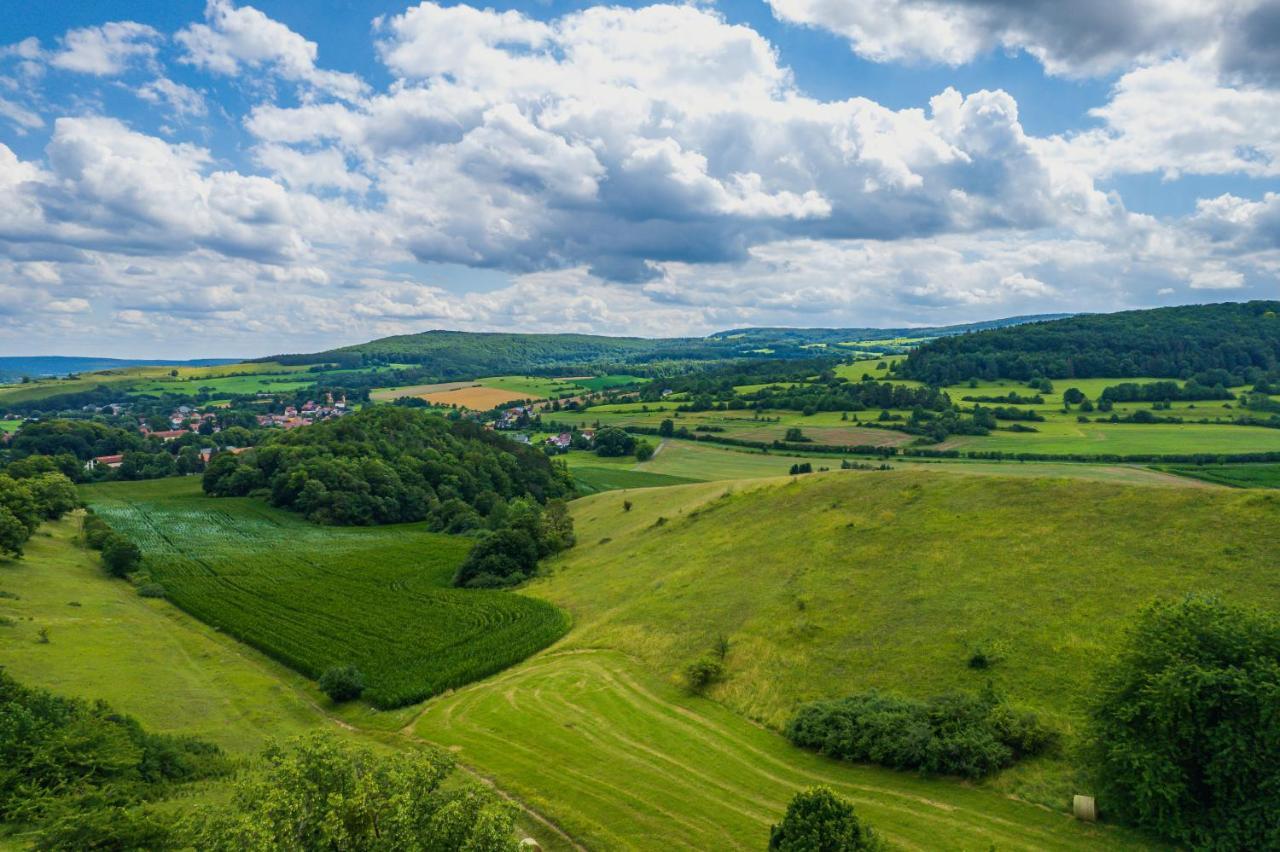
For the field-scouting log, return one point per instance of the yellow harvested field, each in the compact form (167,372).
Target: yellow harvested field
(478,398)
(389,394)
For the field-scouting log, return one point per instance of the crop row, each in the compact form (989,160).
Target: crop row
(311,597)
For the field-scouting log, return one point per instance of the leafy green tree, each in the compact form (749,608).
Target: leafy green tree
(819,820)
(13,533)
(1186,727)
(666,428)
(644,451)
(504,557)
(1073,396)
(342,683)
(120,555)
(612,441)
(322,793)
(55,495)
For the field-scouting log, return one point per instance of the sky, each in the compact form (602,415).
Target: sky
(186,179)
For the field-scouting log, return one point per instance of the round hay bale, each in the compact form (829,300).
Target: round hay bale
(1084,808)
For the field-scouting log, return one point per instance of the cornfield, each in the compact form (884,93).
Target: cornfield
(312,597)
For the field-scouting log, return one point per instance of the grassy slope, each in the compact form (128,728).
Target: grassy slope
(625,761)
(313,597)
(840,582)
(143,656)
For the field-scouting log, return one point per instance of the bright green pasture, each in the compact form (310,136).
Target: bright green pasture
(230,385)
(623,760)
(832,583)
(10,425)
(143,656)
(314,597)
(1063,436)
(539,387)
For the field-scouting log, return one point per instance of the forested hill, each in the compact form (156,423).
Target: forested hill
(1241,338)
(460,354)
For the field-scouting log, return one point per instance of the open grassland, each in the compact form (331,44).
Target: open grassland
(10,425)
(1060,433)
(704,462)
(143,656)
(1234,475)
(625,761)
(830,584)
(314,597)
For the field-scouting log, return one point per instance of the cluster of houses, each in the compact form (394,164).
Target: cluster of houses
(564,441)
(309,412)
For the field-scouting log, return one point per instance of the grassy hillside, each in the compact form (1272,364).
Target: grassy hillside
(314,597)
(625,761)
(837,582)
(142,656)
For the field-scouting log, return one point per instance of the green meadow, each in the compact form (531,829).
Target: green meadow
(1234,475)
(832,583)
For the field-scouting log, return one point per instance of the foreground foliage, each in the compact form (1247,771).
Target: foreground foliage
(819,820)
(377,598)
(1187,726)
(322,793)
(954,734)
(25,503)
(76,770)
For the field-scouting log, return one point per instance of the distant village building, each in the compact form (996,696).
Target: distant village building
(104,461)
(562,441)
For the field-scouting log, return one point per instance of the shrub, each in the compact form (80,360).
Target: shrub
(818,820)
(502,558)
(96,531)
(1186,731)
(701,674)
(342,683)
(954,734)
(119,555)
(151,590)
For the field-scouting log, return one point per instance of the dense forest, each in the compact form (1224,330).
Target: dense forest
(1241,338)
(389,465)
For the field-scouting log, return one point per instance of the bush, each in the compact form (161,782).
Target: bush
(119,555)
(151,590)
(952,734)
(818,820)
(342,683)
(96,531)
(502,558)
(1186,733)
(701,674)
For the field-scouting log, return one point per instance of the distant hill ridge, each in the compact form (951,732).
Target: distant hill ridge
(461,354)
(44,366)
(1235,338)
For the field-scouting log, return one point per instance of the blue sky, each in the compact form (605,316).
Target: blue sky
(212,179)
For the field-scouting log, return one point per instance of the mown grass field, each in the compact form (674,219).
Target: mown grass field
(313,597)
(834,583)
(623,760)
(10,425)
(477,397)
